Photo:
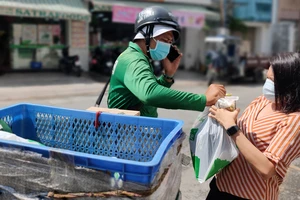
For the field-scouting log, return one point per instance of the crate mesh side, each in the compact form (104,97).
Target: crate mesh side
(121,140)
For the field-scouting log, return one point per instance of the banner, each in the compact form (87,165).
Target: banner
(29,34)
(17,33)
(45,34)
(26,12)
(125,14)
(189,19)
(56,30)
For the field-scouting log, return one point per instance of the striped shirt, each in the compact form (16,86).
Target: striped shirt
(277,136)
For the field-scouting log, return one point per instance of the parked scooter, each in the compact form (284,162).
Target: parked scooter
(103,61)
(70,64)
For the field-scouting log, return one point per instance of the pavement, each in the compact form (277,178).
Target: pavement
(53,88)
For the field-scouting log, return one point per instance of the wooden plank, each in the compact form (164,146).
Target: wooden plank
(115,111)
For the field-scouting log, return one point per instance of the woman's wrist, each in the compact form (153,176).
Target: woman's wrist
(234,136)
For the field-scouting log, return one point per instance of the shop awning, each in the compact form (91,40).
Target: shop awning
(106,5)
(57,9)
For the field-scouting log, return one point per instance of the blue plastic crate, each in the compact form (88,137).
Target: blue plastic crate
(130,145)
(35,65)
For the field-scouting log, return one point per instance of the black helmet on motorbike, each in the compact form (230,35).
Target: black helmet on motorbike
(151,16)
(156,15)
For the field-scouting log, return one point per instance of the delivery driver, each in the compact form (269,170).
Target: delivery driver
(133,85)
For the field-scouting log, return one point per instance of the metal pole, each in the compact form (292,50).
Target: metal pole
(273,46)
(274,11)
(222,13)
(225,13)
(98,102)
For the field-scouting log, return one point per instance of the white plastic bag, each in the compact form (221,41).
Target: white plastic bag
(211,148)
(12,137)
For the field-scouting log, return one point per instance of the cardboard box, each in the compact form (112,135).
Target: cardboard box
(115,111)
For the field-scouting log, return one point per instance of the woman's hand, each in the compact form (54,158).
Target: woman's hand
(223,116)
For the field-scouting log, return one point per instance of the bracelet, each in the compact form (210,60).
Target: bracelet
(168,77)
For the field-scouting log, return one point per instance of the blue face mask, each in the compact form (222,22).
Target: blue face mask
(161,50)
(269,90)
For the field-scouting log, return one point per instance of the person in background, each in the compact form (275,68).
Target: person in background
(267,136)
(133,84)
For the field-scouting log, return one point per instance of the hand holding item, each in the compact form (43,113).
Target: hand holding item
(213,93)
(225,117)
(171,67)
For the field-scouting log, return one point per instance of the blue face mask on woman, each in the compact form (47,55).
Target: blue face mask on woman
(269,90)
(161,50)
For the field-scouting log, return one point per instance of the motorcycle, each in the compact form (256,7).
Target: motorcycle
(103,61)
(70,64)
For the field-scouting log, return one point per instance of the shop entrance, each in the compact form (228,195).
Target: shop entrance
(109,34)
(4,44)
(26,42)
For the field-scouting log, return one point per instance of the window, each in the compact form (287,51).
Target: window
(263,8)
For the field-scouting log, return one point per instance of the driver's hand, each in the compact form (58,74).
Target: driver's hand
(214,93)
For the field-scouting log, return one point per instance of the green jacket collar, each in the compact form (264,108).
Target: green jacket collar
(137,48)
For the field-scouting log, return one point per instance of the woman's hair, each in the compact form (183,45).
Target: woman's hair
(286,69)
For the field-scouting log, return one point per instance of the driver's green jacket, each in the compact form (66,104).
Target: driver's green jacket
(133,86)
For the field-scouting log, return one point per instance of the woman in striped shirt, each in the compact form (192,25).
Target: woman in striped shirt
(267,135)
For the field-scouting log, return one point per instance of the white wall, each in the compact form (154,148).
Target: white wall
(258,40)
(193,48)
(292,39)
(18,62)
(83,56)
(266,40)
(283,38)
(262,43)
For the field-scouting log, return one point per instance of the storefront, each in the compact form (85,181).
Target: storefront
(192,19)
(32,33)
